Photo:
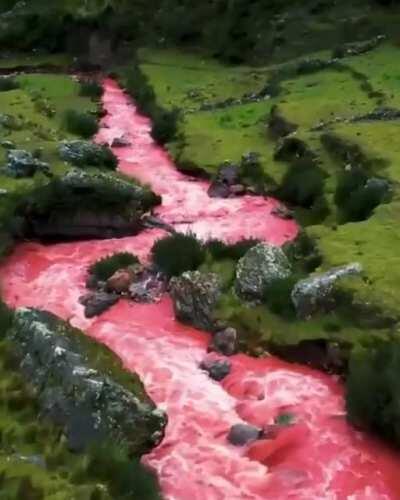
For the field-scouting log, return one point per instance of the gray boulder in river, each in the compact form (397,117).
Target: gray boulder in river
(195,295)
(315,293)
(82,387)
(84,153)
(260,267)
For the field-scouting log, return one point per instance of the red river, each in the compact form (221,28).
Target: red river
(320,457)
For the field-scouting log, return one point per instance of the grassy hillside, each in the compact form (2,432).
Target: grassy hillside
(334,99)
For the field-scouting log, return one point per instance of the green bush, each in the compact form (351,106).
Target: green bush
(107,266)
(235,251)
(277,296)
(302,185)
(81,124)
(165,122)
(90,88)
(303,253)
(165,125)
(5,319)
(356,197)
(178,253)
(125,477)
(8,83)
(373,388)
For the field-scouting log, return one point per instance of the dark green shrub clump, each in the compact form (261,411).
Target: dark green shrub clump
(81,124)
(8,83)
(178,253)
(125,477)
(277,296)
(90,88)
(357,196)
(235,251)
(303,253)
(165,122)
(373,388)
(302,185)
(106,267)
(5,319)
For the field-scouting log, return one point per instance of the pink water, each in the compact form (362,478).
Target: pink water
(320,457)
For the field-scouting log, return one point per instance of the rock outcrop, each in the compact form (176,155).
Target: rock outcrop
(260,267)
(316,293)
(217,369)
(96,303)
(195,296)
(83,205)
(85,153)
(21,163)
(225,342)
(82,387)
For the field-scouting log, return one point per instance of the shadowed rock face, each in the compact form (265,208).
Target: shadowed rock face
(82,386)
(195,295)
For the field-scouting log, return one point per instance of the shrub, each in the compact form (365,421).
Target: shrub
(126,477)
(5,319)
(90,88)
(8,83)
(373,388)
(302,185)
(81,124)
(277,296)
(235,251)
(303,253)
(357,196)
(178,253)
(107,266)
(165,125)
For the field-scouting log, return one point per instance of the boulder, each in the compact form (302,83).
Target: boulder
(195,295)
(82,387)
(227,176)
(225,342)
(242,434)
(21,163)
(148,288)
(216,369)
(121,142)
(237,189)
(316,293)
(85,153)
(120,281)
(260,267)
(96,303)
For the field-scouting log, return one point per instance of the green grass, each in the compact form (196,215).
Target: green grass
(210,137)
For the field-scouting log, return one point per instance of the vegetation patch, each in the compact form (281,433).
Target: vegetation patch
(178,253)
(80,124)
(107,266)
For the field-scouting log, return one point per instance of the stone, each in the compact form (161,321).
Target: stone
(120,281)
(86,153)
(260,267)
(237,189)
(316,293)
(225,342)
(194,296)
(216,369)
(21,163)
(242,434)
(283,212)
(148,288)
(121,142)
(82,386)
(96,303)
(218,190)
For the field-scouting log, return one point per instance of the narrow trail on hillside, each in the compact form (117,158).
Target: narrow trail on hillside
(319,457)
